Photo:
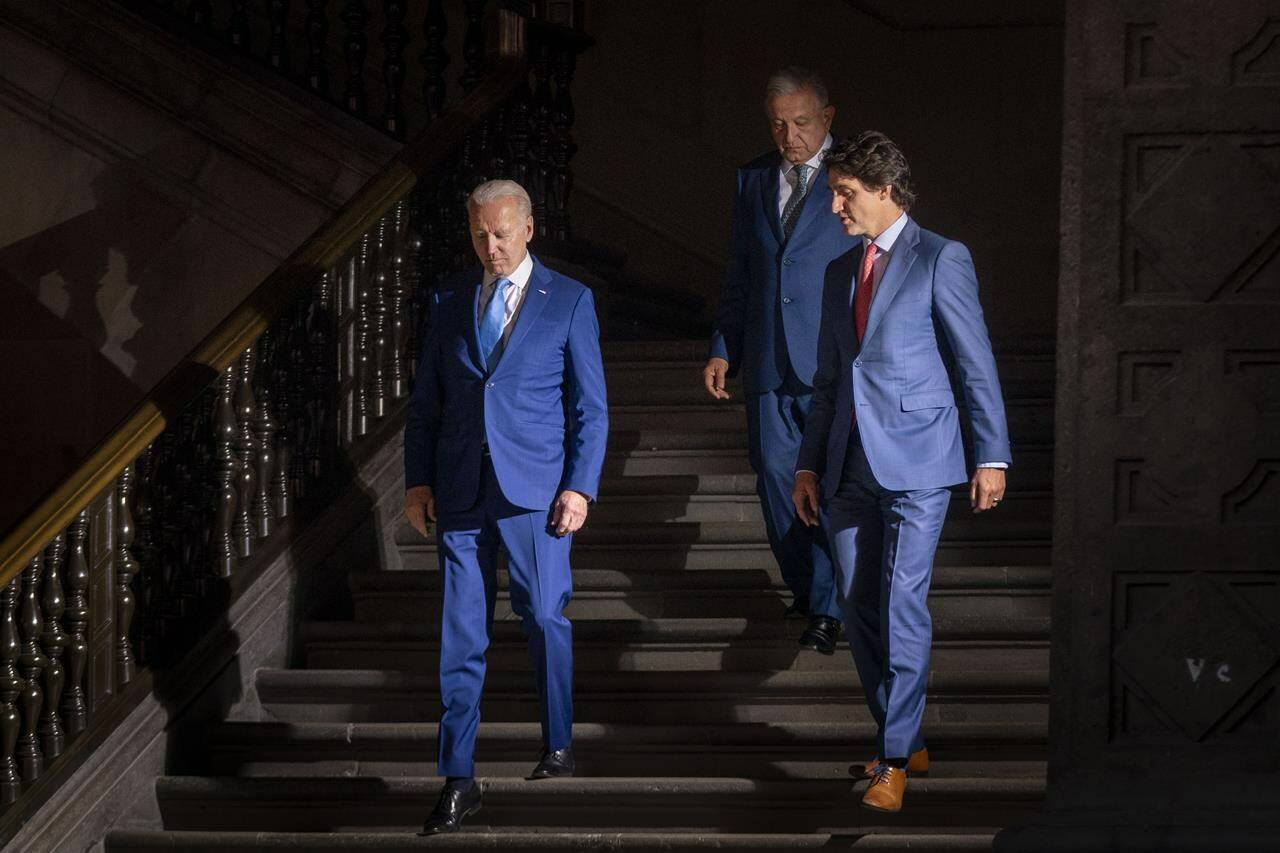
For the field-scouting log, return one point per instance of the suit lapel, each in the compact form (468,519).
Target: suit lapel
(769,193)
(902,256)
(846,339)
(473,344)
(537,295)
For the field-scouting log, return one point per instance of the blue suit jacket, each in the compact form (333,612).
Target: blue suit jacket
(542,409)
(926,304)
(772,301)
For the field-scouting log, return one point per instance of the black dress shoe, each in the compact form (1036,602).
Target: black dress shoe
(798,609)
(458,801)
(821,635)
(554,765)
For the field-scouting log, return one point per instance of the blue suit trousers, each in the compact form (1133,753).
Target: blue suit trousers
(541,586)
(884,542)
(775,426)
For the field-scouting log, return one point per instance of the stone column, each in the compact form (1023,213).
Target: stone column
(1165,712)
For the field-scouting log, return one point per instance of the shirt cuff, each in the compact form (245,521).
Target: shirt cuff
(807,471)
(1001,465)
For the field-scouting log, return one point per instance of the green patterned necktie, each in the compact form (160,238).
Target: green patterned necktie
(791,212)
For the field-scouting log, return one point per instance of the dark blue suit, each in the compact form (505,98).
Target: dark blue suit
(497,448)
(767,329)
(886,481)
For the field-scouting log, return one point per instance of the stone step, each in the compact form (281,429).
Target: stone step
(699,804)
(716,471)
(654,697)
(414,646)
(418,554)
(865,838)
(604,594)
(770,751)
(1030,419)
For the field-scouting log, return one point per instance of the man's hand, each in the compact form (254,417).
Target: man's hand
(569,512)
(805,496)
(986,489)
(419,505)
(713,377)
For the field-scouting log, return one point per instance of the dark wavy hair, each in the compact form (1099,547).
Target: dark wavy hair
(877,162)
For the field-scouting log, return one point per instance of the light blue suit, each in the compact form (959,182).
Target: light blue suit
(767,329)
(497,447)
(886,482)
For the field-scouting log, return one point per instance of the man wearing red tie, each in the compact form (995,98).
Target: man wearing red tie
(883,439)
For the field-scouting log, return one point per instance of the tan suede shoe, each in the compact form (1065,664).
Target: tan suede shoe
(917,765)
(884,794)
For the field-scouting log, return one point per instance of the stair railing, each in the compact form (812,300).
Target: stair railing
(119,571)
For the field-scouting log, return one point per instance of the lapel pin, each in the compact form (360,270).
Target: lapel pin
(543,292)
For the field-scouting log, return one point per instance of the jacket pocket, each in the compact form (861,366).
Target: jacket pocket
(940,399)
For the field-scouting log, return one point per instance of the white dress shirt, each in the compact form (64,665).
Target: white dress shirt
(514,294)
(787,176)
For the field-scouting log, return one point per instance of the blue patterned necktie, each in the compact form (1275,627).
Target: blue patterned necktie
(791,212)
(492,322)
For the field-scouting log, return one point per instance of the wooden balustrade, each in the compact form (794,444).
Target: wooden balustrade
(122,569)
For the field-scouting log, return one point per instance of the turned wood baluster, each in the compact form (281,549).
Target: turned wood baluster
(281,487)
(146,550)
(540,147)
(473,45)
(519,132)
(204,488)
(53,642)
(201,14)
(238,31)
(125,567)
(496,149)
(264,433)
(354,49)
(246,452)
(434,58)
(278,47)
(75,712)
(228,470)
(563,147)
(393,39)
(399,280)
(317,26)
(321,379)
(10,686)
(360,271)
(300,433)
(31,664)
(380,317)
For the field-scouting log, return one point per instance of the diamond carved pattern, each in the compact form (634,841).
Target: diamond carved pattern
(1198,655)
(1206,216)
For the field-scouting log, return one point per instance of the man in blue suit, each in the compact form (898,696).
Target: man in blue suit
(503,447)
(767,326)
(883,440)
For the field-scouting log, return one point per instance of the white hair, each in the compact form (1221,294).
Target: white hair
(793,78)
(491,191)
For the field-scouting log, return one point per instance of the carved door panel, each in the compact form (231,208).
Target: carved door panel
(1167,592)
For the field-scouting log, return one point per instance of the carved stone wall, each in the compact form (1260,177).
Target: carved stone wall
(1166,622)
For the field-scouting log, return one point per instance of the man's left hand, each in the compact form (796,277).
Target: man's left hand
(986,489)
(569,512)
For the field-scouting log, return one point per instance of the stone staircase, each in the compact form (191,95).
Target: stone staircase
(700,722)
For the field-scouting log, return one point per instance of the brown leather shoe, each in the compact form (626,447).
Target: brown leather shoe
(884,794)
(917,765)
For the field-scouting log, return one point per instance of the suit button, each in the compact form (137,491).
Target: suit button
(786,262)
(855,364)
(490,385)
(786,300)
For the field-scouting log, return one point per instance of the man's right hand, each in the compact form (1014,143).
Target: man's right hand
(713,376)
(805,496)
(419,505)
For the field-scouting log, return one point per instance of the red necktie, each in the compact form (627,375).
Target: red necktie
(862,296)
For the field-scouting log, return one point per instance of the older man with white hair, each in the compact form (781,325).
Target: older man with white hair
(503,447)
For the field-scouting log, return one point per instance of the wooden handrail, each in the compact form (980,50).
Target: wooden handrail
(251,318)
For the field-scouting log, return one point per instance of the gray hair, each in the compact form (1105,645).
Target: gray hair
(491,191)
(793,78)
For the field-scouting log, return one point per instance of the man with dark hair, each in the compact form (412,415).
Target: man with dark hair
(766,327)
(883,438)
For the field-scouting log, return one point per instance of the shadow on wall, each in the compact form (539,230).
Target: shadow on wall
(76,323)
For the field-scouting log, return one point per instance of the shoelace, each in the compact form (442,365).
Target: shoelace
(881,774)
